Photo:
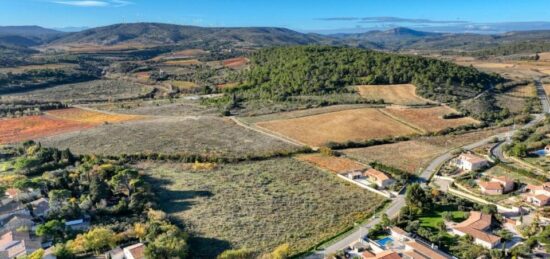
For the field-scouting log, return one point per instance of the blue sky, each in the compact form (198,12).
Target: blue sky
(303,15)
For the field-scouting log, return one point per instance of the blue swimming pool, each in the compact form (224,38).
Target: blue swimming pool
(384,241)
(540,152)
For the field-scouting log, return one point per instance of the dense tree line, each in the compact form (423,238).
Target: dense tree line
(25,108)
(278,73)
(41,78)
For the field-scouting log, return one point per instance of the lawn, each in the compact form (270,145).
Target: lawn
(432,218)
(259,205)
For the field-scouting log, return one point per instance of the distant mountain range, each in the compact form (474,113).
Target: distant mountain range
(158,34)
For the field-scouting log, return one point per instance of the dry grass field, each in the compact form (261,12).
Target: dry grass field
(184,62)
(21,69)
(429,119)
(513,103)
(183,85)
(161,107)
(170,135)
(523,91)
(414,154)
(332,163)
(91,117)
(258,205)
(339,126)
(403,94)
(33,127)
(547,89)
(98,90)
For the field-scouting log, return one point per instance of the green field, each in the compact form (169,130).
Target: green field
(259,205)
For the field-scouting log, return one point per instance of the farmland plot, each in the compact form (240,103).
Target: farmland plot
(404,94)
(98,90)
(170,135)
(332,163)
(340,126)
(91,117)
(32,127)
(430,119)
(259,205)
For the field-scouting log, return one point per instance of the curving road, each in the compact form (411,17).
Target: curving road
(398,202)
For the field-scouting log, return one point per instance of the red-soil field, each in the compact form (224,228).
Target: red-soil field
(33,127)
(235,62)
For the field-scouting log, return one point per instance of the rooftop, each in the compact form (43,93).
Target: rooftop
(425,251)
(376,174)
(476,225)
(472,158)
(493,186)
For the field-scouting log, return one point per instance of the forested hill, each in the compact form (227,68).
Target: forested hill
(277,73)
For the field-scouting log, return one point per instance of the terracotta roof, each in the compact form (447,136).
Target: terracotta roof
(399,231)
(426,251)
(475,226)
(493,186)
(380,176)
(367,254)
(414,255)
(503,179)
(384,255)
(12,192)
(137,250)
(479,234)
(542,198)
(472,158)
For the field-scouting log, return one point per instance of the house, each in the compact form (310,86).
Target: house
(399,234)
(9,207)
(16,244)
(382,255)
(470,162)
(136,251)
(538,195)
(14,222)
(477,226)
(415,249)
(40,207)
(379,178)
(78,224)
(497,186)
(354,175)
(116,253)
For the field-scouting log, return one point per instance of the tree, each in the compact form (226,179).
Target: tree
(167,246)
(281,252)
(62,252)
(416,197)
(242,253)
(93,240)
(124,181)
(54,229)
(38,254)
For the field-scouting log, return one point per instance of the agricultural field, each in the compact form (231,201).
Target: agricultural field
(512,103)
(523,91)
(170,135)
(430,119)
(340,126)
(518,70)
(403,94)
(161,107)
(183,85)
(98,90)
(413,155)
(183,62)
(33,127)
(235,63)
(91,117)
(332,163)
(258,205)
(22,69)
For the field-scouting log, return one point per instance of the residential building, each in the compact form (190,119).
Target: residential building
(9,207)
(116,253)
(538,195)
(470,162)
(383,255)
(497,186)
(136,251)
(14,222)
(354,175)
(15,244)
(40,207)
(478,226)
(415,249)
(78,224)
(379,178)
(399,234)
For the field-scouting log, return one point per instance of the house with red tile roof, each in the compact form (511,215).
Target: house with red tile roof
(497,186)
(379,178)
(538,195)
(478,226)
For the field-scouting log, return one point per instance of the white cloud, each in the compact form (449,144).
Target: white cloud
(95,3)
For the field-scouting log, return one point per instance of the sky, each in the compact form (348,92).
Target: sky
(302,15)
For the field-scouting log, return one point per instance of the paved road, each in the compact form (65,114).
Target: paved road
(398,202)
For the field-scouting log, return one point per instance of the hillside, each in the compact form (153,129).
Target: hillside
(154,34)
(278,73)
(27,36)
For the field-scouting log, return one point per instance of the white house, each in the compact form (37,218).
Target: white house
(470,162)
(477,226)
(379,178)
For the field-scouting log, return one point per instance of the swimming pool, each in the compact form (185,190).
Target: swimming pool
(540,152)
(384,241)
